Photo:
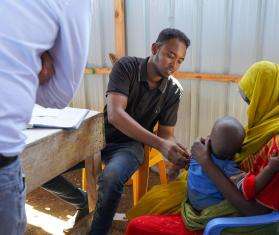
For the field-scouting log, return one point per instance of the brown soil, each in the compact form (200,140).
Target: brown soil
(45,202)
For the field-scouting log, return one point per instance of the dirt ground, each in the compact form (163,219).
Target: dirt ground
(49,212)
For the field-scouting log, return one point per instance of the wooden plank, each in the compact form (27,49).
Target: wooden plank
(119,15)
(208,76)
(47,156)
(180,75)
(97,71)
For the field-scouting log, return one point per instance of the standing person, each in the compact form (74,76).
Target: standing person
(29,28)
(140,93)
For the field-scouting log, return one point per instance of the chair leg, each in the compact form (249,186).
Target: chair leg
(144,174)
(135,182)
(129,182)
(162,172)
(140,178)
(83,179)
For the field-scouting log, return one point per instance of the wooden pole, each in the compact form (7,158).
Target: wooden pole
(119,15)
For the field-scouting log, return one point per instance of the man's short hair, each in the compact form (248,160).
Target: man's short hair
(170,33)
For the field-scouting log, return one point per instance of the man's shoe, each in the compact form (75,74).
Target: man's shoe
(82,227)
(81,213)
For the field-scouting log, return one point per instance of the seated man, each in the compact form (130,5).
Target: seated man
(141,92)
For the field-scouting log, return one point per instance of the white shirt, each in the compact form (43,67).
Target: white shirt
(27,29)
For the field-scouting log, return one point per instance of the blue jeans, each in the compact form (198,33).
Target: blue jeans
(12,200)
(121,161)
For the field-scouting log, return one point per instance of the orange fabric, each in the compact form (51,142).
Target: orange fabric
(269,196)
(262,156)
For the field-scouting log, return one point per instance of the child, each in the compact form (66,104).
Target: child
(226,139)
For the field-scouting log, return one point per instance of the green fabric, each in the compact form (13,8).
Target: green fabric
(197,220)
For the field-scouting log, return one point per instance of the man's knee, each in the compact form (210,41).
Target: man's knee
(111,181)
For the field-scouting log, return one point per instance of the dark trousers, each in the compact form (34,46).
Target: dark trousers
(66,191)
(121,161)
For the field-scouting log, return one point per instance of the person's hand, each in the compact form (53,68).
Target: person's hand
(175,153)
(200,150)
(273,164)
(173,172)
(47,70)
(187,155)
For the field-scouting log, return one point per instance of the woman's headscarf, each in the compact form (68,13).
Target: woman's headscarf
(260,84)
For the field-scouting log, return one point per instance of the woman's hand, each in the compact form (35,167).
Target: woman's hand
(200,151)
(266,175)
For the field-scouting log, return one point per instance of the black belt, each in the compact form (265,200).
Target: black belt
(5,161)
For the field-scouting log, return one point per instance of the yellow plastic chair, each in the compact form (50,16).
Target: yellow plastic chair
(141,176)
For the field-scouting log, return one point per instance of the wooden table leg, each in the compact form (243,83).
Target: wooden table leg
(92,170)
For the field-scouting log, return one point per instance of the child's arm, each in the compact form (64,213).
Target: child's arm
(264,177)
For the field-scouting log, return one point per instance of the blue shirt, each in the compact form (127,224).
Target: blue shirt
(202,192)
(27,29)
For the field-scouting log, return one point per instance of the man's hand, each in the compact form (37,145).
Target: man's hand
(47,70)
(173,172)
(175,153)
(273,164)
(200,150)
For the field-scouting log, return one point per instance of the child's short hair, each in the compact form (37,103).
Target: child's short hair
(226,137)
